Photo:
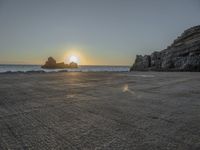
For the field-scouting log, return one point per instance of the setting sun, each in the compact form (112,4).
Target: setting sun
(74,59)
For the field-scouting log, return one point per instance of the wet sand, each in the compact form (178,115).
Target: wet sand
(137,110)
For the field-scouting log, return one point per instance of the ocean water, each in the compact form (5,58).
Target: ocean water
(35,68)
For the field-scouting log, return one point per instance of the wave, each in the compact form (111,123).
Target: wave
(42,71)
(12,69)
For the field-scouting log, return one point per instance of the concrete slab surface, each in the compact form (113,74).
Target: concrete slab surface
(94,111)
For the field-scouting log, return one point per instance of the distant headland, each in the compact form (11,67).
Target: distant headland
(51,64)
(182,55)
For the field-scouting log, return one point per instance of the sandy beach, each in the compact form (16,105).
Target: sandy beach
(74,110)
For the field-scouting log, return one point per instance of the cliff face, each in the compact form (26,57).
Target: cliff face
(182,55)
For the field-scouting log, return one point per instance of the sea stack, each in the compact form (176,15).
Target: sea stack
(182,55)
(51,64)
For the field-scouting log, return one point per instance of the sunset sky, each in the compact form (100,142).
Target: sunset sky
(99,32)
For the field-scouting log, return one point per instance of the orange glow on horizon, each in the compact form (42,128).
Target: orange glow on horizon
(74,53)
(84,57)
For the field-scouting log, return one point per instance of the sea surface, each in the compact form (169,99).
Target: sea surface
(37,68)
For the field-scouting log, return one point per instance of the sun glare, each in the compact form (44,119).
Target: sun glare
(73,59)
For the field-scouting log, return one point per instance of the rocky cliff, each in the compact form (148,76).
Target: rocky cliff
(182,55)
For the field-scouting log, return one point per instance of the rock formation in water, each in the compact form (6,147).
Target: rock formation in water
(51,64)
(182,55)
(73,65)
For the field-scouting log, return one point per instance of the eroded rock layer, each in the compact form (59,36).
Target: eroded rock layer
(182,55)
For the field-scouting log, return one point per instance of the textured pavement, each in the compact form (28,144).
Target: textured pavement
(136,111)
